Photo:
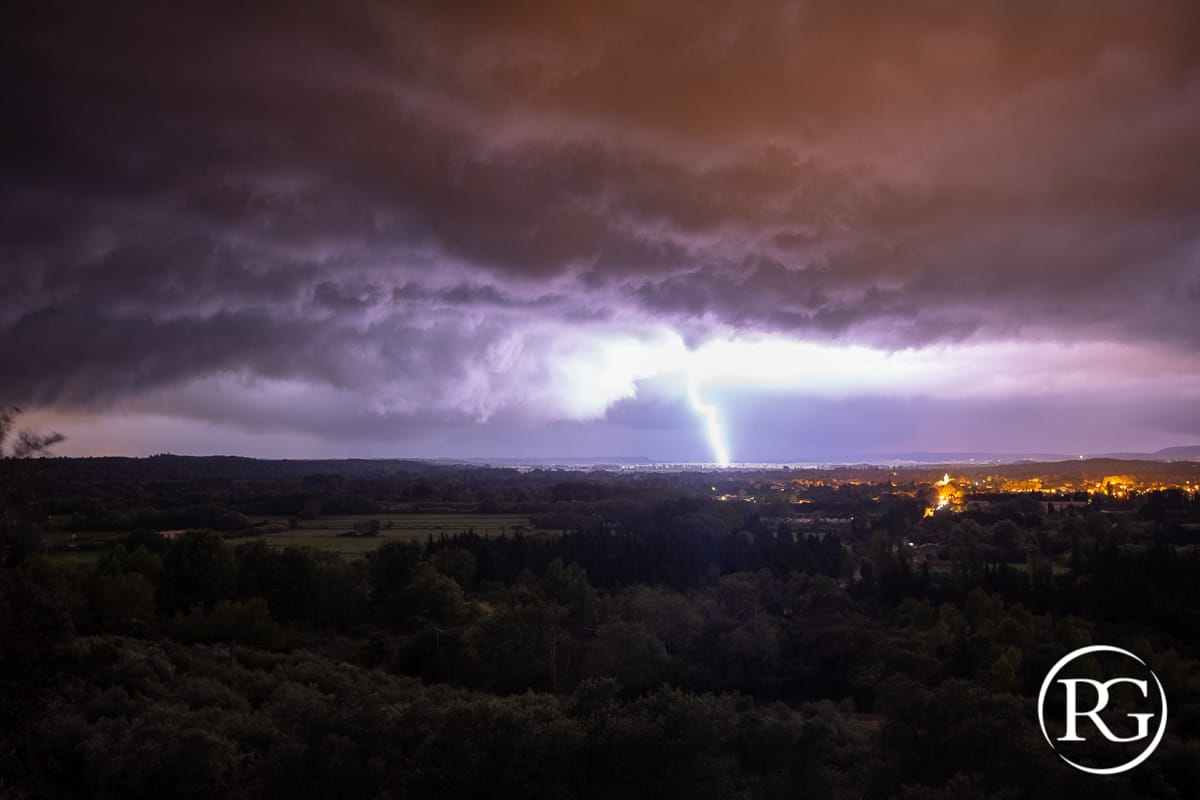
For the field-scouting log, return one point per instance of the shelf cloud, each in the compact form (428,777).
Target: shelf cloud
(460,229)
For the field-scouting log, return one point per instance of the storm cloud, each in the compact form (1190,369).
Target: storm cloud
(459,228)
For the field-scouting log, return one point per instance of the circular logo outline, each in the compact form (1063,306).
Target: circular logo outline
(1083,651)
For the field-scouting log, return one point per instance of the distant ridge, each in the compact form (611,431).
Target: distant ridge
(179,467)
(567,461)
(1178,453)
(166,466)
(1183,453)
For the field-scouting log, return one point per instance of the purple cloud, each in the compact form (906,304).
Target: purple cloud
(377,223)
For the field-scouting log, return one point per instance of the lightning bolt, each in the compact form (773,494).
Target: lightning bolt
(712,422)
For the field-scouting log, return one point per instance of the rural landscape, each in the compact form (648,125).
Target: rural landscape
(526,400)
(227,626)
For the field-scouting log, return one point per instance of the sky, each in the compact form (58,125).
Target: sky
(686,231)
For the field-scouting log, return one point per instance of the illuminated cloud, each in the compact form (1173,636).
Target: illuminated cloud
(463,230)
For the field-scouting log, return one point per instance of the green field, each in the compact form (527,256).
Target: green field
(326,533)
(78,548)
(1055,567)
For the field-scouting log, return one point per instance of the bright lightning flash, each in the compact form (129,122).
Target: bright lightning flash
(712,422)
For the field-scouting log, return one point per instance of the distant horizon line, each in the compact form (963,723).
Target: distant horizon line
(1177,452)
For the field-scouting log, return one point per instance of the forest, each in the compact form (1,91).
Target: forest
(638,635)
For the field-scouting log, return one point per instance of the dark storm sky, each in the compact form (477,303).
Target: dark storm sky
(311,229)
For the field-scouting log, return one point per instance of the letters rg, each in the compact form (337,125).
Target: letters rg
(1101,687)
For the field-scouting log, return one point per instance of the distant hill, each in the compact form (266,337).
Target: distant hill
(1184,453)
(175,468)
(1180,453)
(571,461)
(189,468)
(929,457)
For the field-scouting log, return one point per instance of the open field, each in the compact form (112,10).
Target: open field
(68,547)
(408,525)
(326,533)
(1056,567)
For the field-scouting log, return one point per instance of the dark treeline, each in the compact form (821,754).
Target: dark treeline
(676,559)
(659,642)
